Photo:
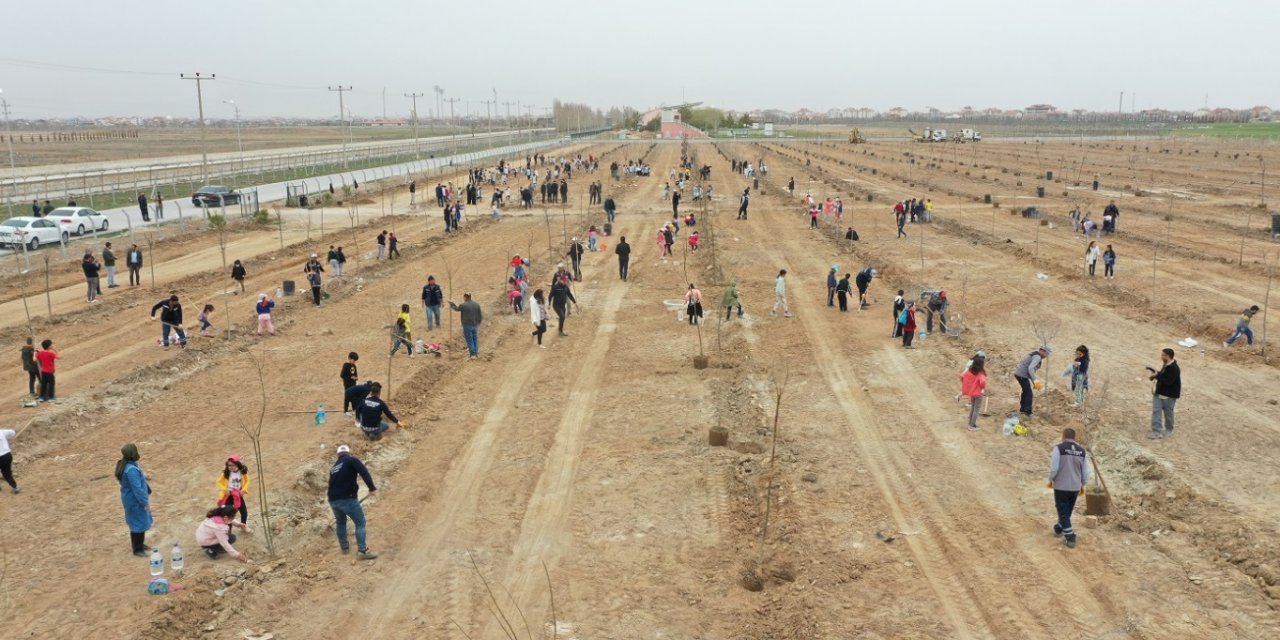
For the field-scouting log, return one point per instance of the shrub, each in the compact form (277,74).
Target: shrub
(262,216)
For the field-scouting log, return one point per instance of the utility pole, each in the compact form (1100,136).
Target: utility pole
(204,150)
(490,107)
(417,154)
(13,171)
(342,114)
(509,130)
(528,109)
(239,143)
(384,103)
(495,109)
(453,133)
(439,96)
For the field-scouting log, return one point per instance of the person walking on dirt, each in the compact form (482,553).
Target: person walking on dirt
(901,212)
(937,304)
(899,303)
(623,251)
(538,316)
(332,259)
(369,412)
(693,304)
(133,260)
(91,267)
(46,358)
(342,264)
(238,274)
(400,336)
(908,322)
(842,292)
(109,261)
(730,300)
(382,244)
(30,366)
(232,483)
(1168,389)
(263,309)
(142,207)
(393,246)
(863,280)
(791,187)
(575,257)
(973,385)
(313,278)
(1068,476)
(343,500)
(135,496)
(170,320)
(610,208)
(832,283)
(1025,374)
(1112,212)
(744,202)
(1109,263)
(668,240)
(1091,254)
(1242,327)
(471,318)
(214,534)
(780,295)
(349,374)
(561,296)
(7,436)
(432,298)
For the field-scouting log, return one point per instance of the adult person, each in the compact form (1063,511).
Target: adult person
(332,258)
(263,308)
(973,385)
(832,282)
(342,263)
(29,365)
(693,304)
(109,261)
(393,246)
(575,257)
(1168,389)
(471,317)
(937,304)
(313,278)
(1242,327)
(675,205)
(413,194)
(780,295)
(899,303)
(1025,374)
(561,295)
(133,260)
(35,208)
(159,206)
(1068,475)
(842,292)
(349,374)
(610,208)
(1113,211)
(91,267)
(46,359)
(343,492)
(432,297)
(142,207)
(908,321)
(135,496)
(791,186)
(46,209)
(623,251)
(7,436)
(214,534)
(538,316)
(369,413)
(1091,255)
(238,274)
(730,300)
(743,203)
(382,244)
(171,320)
(863,280)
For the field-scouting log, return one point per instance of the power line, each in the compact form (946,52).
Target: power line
(70,67)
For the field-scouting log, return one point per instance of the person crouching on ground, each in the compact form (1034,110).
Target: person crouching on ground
(369,413)
(214,534)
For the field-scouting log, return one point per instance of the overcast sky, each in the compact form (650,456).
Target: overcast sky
(276,57)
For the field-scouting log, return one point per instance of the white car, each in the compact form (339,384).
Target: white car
(31,231)
(77,220)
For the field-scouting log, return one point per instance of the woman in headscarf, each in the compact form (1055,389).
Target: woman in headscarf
(135,495)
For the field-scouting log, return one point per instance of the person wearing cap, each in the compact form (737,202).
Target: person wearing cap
(1025,374)
(343,499)
(1168,389)
(171,320)
(863,281)
(471,318)
(831,285)
(575,257)
(369,412)
(263,309)
(232,483)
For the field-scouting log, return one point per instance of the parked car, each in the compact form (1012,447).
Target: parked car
(31,231)
(215,196)
(77,220)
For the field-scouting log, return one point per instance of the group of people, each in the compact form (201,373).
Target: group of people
(912,210)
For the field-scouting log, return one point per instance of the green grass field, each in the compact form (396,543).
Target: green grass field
(1252,130)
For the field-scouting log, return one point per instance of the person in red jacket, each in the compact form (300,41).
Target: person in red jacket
(973,385)
(46,357)
(908,320)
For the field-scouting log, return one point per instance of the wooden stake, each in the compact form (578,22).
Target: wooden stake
(151,246)
(48,300)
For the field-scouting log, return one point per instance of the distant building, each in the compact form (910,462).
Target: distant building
(1040,110)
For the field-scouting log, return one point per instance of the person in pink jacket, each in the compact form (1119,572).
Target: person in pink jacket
(973,385)
(214,534)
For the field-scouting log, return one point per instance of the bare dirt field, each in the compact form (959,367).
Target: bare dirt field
(575,483)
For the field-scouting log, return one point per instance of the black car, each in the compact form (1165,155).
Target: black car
(214,196)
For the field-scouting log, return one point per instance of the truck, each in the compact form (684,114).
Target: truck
(969,135)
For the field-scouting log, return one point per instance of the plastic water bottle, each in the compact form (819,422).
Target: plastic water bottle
(1009,423)
(157,563)
(320,415)
(176,562)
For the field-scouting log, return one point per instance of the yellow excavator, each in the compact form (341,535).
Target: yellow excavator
(855,137)
(916,137)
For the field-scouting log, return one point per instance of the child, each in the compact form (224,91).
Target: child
(693,241)
(232,484)
(214,534)
(237,274)
(517,266)
(350,373)
(46,357)
(263,309)
(400,336)
(592,237)
(205,325)
(973,385)
(516,295)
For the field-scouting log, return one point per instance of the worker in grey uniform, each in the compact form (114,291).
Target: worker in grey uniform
(1068,475)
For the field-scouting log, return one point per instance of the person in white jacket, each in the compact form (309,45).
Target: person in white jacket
(1091,257)
(780,295)
(538,316)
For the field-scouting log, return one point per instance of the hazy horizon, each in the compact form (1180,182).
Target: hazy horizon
(123,58)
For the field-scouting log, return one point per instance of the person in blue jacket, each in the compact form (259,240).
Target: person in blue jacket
(135,495)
